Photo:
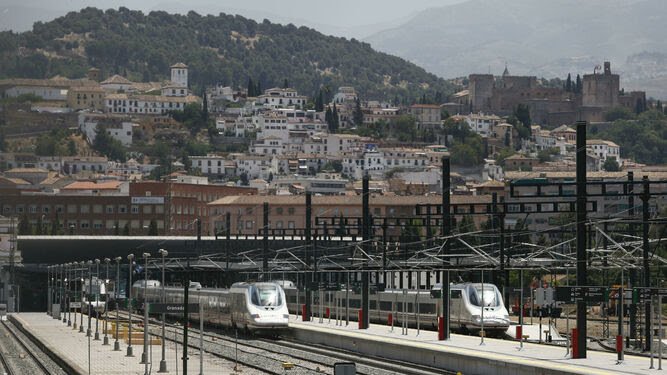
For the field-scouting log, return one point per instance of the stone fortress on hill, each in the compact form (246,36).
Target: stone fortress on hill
(599,93)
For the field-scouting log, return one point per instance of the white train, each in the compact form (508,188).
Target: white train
(259,306)
(465,307)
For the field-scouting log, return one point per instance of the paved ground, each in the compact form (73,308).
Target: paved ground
(73,346)
(501,350)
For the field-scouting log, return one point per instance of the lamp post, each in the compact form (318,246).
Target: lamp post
(75,280)
(106,303)
(163,362)
(90,293)
(83,267)
(97,301)
(63,279)
(48,288)
(56,296)
(116,344)
(129,308)
(144,355)
(69,294)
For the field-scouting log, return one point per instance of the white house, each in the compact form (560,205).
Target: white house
(282,98)
(118,127)
(604,149)
(146,104)
(480,123)
(270,145)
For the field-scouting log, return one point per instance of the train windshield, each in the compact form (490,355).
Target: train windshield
(266,295)
(489,296)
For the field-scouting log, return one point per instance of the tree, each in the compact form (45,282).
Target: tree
(579,85)
(204,111)
(358,115)
(251,88)
(618,113)
(24,225)
(522,113)
(71,147)
(285,83)
(55,226)
(108,146)
(335,119)
(611,165)
(152,228)
(126,229)
(568,83)
(244,179)
(116,228)
(319,102)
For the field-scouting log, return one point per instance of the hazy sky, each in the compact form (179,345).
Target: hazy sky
(350,18)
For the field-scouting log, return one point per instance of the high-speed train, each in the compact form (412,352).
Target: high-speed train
(254,306)
(470,306)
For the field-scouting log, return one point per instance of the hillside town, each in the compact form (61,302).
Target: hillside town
(282,143)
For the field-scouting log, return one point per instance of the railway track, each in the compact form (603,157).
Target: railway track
(269,355)
(20,357)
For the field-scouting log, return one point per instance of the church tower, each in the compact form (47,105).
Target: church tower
(179,75)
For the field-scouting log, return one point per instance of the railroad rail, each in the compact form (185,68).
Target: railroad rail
(18,357)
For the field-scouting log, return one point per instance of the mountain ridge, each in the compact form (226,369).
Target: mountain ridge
(225,49)
(533,37)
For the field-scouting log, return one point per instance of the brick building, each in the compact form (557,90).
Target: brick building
(104,209)
(289,212)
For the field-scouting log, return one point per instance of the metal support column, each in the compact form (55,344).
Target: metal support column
(309,276)
(446,230)
(365,276)
(265,243)
(645,256)
(582,275)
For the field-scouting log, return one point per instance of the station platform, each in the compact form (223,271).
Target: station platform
(72,347)
(463,353)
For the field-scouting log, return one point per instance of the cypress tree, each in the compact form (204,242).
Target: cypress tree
(319,102)
(205,109)
(579,85)
(568,83)
(358,115)
(334,117)
(251,87)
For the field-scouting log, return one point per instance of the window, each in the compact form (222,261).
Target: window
(279,211)
(32,209)
(109,209)
(45,209)
(147,209)
(85,224)
(135,209)
(290,211)
(122,209)
(97,209)
(84,208)
(71,208)
(248,224)
(159,209)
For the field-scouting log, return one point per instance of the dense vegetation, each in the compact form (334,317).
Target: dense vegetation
(218,49)
(642,138)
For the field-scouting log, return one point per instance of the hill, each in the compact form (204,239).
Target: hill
(218,49)
(547,38)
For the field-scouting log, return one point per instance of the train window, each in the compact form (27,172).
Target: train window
(266,295)
(427,308)
(489,296)
(456,294)
(385,305)
(372,305)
